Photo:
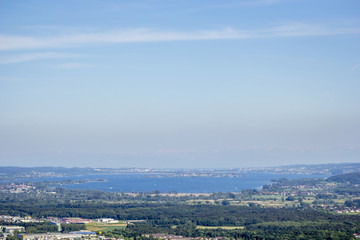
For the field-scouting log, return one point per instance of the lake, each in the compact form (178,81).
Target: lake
(132,183)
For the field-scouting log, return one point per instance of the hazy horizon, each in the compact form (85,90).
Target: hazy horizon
(186,168)
(179,84)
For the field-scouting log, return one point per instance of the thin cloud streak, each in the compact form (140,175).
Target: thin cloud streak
(299,29)
(19,58)
(10,42)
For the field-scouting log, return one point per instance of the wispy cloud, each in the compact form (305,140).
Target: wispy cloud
(18,58)
(11,42)
(300,29)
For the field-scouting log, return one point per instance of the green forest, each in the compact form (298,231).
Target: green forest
(183,219)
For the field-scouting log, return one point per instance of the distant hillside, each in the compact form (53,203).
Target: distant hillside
(331,168)
(13,173)
(352,178)
(75,170)
(346,179)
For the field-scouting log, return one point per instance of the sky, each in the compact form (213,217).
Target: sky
(179,83)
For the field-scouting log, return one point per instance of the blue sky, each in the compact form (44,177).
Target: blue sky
(218,84)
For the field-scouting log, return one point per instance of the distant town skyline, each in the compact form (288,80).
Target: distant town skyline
(179,84)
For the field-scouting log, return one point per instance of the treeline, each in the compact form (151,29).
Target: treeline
(44,227)
(269,231)
(62,195)
(173,214)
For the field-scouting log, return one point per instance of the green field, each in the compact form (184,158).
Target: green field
(104,227)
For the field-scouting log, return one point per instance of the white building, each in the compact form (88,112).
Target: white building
(12,229)
(107,220)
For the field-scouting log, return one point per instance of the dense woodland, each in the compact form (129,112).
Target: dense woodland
(182,219)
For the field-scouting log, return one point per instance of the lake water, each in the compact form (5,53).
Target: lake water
(143,183)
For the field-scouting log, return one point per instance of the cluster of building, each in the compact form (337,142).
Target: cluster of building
(70,220)
(11,229)
(107,220)
(53,236)
(15,188)
(80,220)
(344,210)
(19,231)
(27,219)
(12,219)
